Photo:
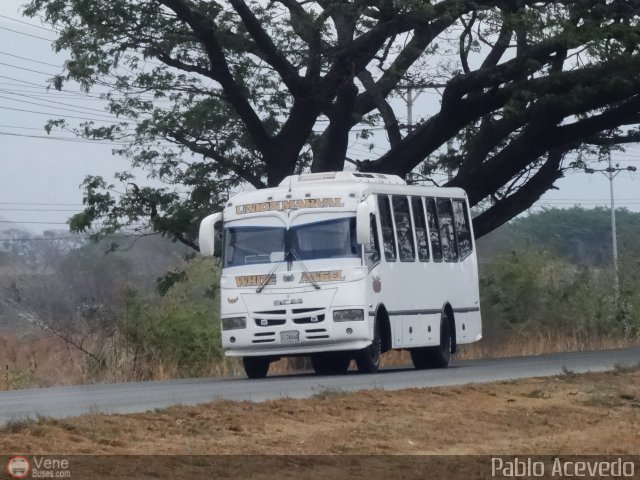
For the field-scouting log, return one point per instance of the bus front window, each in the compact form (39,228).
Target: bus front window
(248,245)
(325,239)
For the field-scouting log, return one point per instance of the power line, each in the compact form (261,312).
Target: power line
(20,127)
(39,92)
(66,139)
(28,69)
(43,99)
(42,223)
(58,103)
(24,84)
(586,199)
(84,140)
(49,64)
(44,239)
(59,115)
(26,34)
(27,23)
(35,210)
(127,131)
(30,60)
(47,204)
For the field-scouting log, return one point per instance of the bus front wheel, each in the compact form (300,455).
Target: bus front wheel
(256,367)
(368,359)
(438,356)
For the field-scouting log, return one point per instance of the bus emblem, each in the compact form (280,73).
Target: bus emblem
(288,278)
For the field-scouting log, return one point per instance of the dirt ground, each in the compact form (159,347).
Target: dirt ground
(567,414)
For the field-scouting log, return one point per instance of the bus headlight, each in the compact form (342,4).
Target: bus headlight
(348,315)
(234,323)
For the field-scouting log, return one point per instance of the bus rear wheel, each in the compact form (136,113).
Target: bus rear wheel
(438,356)
(330,363)
(256,367)
(368,359)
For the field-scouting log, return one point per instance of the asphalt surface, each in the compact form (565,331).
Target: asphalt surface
(59,402)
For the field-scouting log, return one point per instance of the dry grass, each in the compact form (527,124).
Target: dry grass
(39,360)
(567,414)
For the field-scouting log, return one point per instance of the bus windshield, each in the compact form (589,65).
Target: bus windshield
(326,239)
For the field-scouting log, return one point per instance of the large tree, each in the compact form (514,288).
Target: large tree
(214,94)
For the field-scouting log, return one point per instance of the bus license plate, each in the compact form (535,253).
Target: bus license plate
(290,336)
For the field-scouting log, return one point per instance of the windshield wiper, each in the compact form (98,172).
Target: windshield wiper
(267,278)
(304,267)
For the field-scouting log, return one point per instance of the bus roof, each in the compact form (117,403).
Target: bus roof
(350,177)
(354,184)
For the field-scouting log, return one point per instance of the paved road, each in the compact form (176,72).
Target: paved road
(62,402)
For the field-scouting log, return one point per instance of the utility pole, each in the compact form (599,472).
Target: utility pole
(614,236)
(413,91)
(409,98)
(611,173)
(449,152)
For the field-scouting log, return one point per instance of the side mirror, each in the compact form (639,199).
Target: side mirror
(363,225)
(210,236)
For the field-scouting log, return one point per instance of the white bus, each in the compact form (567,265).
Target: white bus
(340,266)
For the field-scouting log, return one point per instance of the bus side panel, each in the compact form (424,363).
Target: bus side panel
(468,327)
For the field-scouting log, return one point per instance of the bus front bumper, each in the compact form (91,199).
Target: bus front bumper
(295,339)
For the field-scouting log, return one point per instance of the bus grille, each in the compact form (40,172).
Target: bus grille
(316,333)
(269,322)
(314,319)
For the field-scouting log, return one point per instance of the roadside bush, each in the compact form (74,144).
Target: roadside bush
(528,292)
(180,330)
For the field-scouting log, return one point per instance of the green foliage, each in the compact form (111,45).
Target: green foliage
(552,271)
(180,330)
(169,280)
(581,236)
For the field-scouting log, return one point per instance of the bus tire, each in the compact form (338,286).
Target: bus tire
(256,367)
(330,363)
(368,359)
(438,356)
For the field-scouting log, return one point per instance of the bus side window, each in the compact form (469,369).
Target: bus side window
(386,223)
(401,214)
(447,232)
(434,230)
(463,232)
(421,228)
(372,252)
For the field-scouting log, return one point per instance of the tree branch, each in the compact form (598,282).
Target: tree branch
(296,84)
(464,45)
(508,207)
(185,67)
(248,175)
(205,31)
(388,116)
(501,45)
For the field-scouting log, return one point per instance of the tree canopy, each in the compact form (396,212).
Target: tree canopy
(214,94)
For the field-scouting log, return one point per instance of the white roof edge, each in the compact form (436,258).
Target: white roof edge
(351,177)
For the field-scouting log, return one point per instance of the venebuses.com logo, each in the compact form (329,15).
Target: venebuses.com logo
(36,466)
(18,467)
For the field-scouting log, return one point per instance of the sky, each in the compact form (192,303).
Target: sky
(40,177)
